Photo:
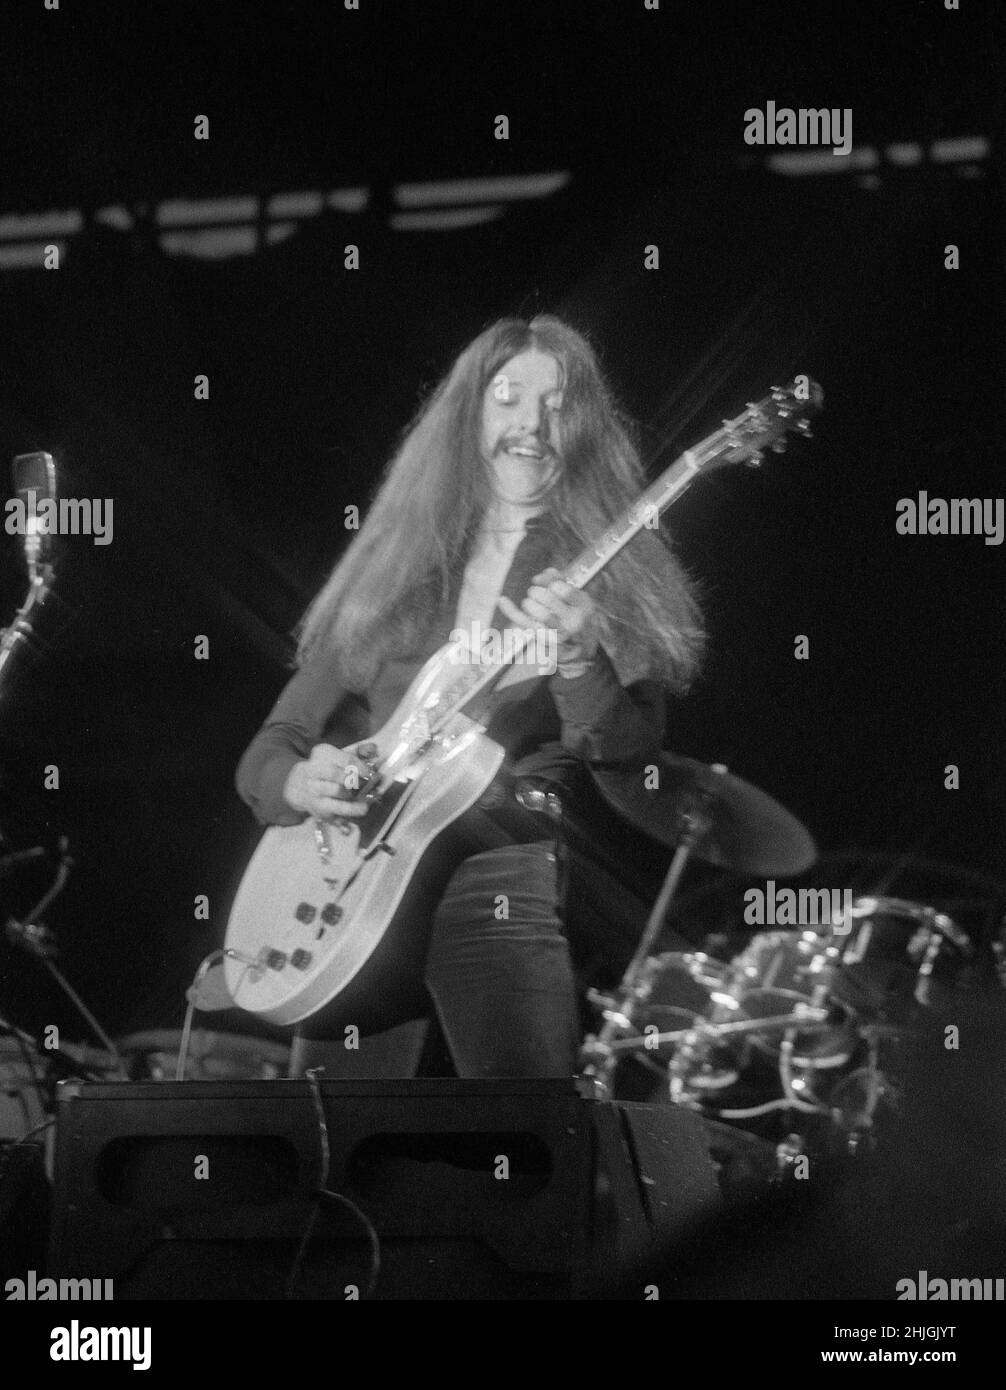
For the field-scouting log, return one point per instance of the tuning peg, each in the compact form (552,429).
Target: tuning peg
(804,428)
(779,447)
(756,459)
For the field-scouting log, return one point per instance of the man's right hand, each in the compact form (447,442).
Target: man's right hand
(318,785)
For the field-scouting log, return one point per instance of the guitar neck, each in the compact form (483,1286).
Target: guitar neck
(643,513)
(725,445)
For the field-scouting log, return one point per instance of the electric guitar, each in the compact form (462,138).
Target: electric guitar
(317,899)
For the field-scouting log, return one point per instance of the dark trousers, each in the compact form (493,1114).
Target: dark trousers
(498,979)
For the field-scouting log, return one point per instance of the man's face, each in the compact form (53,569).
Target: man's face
(520,424)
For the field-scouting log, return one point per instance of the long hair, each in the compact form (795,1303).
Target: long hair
(405,561)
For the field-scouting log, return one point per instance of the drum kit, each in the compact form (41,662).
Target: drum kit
(801,1035)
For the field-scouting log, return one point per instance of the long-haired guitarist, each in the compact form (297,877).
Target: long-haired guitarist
(518,459)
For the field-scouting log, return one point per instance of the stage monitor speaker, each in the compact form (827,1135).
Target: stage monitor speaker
(205,1189)
(24,1210)
(475,1189)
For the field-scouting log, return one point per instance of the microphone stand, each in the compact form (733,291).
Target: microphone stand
(14,636)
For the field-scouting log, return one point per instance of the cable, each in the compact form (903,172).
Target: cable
(323,1192)
(193,991)
(192,994)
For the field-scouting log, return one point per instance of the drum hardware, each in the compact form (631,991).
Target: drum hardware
(788,1153)
(779,970)
(857,1126)
(826,1056)
(811,1021)
(695,811)
(33,936)
(796,1088)
(61,1062)
(797,1024)
(700,810)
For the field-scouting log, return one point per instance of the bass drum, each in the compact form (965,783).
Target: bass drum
(153,1056)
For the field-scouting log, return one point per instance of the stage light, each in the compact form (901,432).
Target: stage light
(505,188)
(443,219)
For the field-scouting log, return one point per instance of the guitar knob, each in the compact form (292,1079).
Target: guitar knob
(305,913)
(330,914)
(300,959)
(275,959)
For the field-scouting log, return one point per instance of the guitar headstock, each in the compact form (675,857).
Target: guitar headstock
(768,423)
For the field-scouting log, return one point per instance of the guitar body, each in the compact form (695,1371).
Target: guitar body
(316,900)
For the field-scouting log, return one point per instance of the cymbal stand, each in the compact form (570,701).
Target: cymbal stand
(599,1055)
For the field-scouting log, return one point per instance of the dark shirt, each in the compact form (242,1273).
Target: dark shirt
(591,716)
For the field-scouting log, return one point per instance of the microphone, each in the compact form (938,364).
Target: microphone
(34,480)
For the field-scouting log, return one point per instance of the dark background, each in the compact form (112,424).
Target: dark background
(228,512)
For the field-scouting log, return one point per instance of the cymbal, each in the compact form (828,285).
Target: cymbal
(750,831)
